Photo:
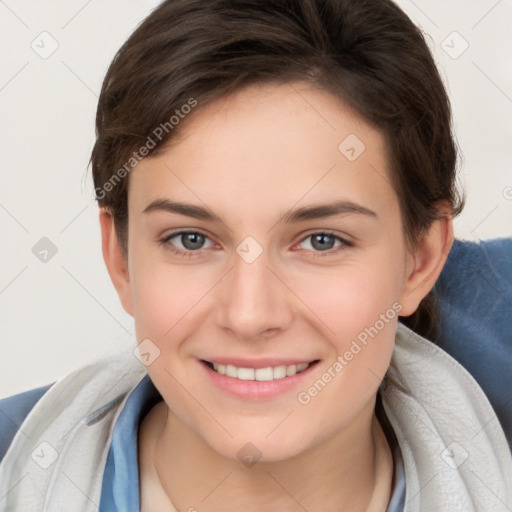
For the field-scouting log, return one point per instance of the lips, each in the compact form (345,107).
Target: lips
(257,383)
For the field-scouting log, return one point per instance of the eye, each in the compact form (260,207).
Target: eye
(323,242)
(191,242)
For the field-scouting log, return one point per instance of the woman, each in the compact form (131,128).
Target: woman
(276,183)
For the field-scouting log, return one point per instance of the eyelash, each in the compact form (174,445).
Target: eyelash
(192,254)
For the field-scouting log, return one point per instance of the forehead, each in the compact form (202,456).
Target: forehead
(267,145)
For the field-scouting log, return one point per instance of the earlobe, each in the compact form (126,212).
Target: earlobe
(427,261)
(114,259)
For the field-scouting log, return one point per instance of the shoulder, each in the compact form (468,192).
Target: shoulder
(474,294)
(13,411)
(485,263)
(474,290)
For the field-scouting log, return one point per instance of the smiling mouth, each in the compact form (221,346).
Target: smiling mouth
(259,374)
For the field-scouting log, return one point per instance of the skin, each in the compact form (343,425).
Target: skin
(250,158)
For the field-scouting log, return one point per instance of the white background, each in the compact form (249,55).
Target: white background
(59,315)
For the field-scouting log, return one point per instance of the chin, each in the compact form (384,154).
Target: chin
(258,449)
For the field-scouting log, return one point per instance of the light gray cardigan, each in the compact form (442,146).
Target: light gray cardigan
(456,457)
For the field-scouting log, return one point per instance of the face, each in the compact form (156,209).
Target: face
(291,251)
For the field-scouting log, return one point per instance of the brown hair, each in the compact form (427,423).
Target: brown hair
(367,52)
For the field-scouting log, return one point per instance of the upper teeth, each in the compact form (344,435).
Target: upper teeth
(269,373)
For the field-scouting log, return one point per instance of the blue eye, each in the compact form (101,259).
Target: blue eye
(322,243)
(191,240)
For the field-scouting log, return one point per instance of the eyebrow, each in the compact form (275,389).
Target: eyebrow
(292,216)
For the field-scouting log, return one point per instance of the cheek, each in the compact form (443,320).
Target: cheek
(166,306)
(155,308)
(364,326)
(349,299)
(165,297)
(358,311)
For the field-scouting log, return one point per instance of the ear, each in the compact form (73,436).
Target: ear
(426,263)
(117,266)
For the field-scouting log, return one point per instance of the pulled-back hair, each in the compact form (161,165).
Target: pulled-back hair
(366,52)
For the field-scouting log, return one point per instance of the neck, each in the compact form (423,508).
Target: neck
(354,469)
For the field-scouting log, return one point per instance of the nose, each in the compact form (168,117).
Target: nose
(253,300)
